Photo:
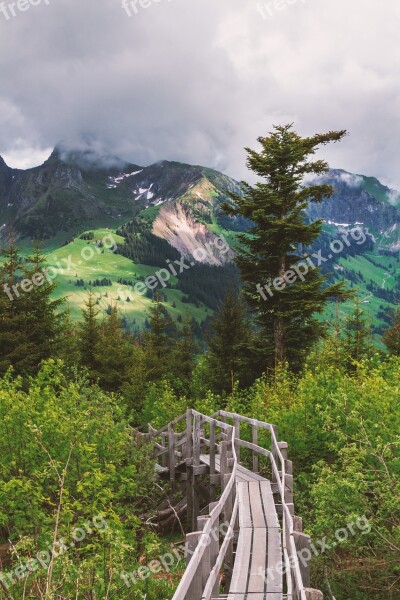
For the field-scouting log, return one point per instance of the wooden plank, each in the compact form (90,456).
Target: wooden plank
(242,562)
(271,516)
(275,558)
(256,503)
(245,518)
(258,561)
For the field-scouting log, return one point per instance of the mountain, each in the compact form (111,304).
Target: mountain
(169,210)
(72,191)
(364,201)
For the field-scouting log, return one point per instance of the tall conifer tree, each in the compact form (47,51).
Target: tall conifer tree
(89,334)
(158,341)
(228,343)
(278,240)
(31,324)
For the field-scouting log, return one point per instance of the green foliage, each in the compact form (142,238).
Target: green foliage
(68,456)
(162,404)
(392,336)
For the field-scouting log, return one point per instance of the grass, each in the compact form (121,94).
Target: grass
(106,264)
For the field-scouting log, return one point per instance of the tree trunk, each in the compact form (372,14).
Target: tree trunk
(279,327)
(279,333)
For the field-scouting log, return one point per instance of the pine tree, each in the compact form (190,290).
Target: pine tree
(391,339)
(158,341)
(13,344)
(31,325)
(134,390)
(357,343)
(182,361)
(46,322)
(285,301)
(89,334)
(113,353)
(228,344)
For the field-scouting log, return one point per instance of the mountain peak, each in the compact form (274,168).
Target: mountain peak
(87,156)
(3,163)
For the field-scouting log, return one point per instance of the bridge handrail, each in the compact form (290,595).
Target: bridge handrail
(198,554)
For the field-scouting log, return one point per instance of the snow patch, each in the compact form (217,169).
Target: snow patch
(117,180)
(338,224)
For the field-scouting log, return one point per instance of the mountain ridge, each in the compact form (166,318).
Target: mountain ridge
(74,192)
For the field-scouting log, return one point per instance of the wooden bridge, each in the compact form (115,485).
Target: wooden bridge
(245,541)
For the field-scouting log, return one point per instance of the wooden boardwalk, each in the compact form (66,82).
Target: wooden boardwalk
(259,548)
(245,541)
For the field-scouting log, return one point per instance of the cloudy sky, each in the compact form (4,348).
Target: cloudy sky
(197,80)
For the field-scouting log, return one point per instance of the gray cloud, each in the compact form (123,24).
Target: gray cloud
(197,80)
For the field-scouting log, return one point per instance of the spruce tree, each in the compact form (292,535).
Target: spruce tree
(89,333)
(113,353)
(46,321)
(158,341)
(182,361)
(285,301)
(228,343)
(14,347)
(357,342)
(31,324)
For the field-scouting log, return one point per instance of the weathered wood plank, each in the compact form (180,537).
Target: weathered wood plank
(256,505)
(258,561)
(271,516)
(245,518)
(242,562)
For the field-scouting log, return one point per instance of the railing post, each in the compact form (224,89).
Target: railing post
(288,481)
(237,436)
(189,470)
(164,457)
(274,451)
(303,542)
(212,462)
(256,465)
(171,452)
(205,565)
(196,463)
(214,546)
(283,447)
(196,441)
(195,590)
(223,449)
(189,445)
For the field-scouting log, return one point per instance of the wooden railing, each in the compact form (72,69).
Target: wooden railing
(206,555)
